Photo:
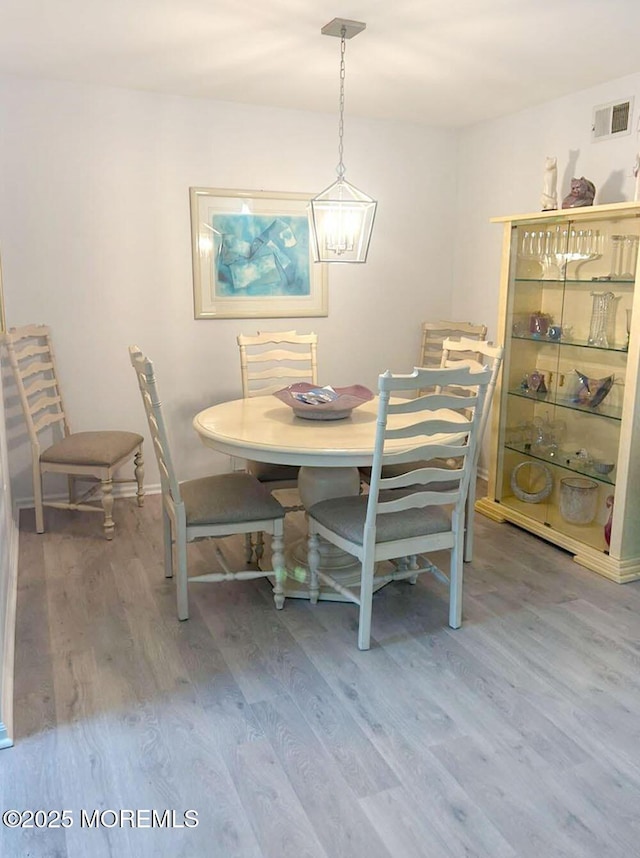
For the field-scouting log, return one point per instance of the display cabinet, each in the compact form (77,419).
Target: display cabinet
(565,454)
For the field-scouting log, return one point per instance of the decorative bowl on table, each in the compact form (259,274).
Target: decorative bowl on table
(323,403)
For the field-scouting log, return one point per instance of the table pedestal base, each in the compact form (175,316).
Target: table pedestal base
(314,485)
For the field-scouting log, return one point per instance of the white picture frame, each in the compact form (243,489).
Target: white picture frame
(252,256)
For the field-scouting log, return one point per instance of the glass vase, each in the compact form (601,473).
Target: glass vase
(578,500)
(602,317)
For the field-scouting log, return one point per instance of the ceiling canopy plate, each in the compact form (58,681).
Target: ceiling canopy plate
(351,28)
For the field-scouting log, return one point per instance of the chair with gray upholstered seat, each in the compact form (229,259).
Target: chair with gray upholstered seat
(215,506)
(92,457)
(269,361)
(455,353)
(403,516)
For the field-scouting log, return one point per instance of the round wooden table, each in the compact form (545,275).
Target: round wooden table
(328,452)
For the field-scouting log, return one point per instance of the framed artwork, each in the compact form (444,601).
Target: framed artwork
(252,256)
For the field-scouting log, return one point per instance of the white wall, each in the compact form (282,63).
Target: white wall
(95,237)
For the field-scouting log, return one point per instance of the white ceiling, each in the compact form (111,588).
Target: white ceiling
(439,62)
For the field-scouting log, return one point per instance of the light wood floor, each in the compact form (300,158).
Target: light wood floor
(515,736)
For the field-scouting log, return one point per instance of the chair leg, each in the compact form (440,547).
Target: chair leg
(107,506)
(456,572)
(138,470)
(37,497)
(313,559)
(277,561)
(366,604)
(468,520)
(71,483)
(168,545)
(413,564)
(182,581)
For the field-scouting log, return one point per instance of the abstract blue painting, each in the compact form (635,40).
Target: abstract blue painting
(251,255)
(261,255)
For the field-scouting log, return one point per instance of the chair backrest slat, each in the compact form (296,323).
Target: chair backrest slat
(265,369)
(47,420)
(152,406)
(39,385)
(29,369)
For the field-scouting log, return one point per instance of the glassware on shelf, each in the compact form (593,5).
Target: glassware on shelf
(547,436)
(555,248)
(628,312)
(578,500)
(602,317)
(624,257)
(591,391)
(607,527)
(539,324)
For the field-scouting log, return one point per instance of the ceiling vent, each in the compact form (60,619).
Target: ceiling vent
(612,120)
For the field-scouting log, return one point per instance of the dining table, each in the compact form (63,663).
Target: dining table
(328,453)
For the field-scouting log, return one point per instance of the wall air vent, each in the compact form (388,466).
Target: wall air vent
(612,120)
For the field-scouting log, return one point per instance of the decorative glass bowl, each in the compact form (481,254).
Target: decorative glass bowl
(323,403)
(591,391)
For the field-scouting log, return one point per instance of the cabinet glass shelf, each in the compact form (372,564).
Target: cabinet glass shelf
(602,410)
(574,282)
(580,344)
(562,459)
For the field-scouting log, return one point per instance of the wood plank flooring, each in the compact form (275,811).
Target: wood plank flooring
(516,736)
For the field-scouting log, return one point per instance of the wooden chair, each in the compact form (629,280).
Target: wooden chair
(270,361)
(454,352)
(489,356)
(214,506)
(435,333)
(403,516)
(91,457)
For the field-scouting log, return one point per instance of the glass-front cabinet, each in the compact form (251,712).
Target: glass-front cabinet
(565,447)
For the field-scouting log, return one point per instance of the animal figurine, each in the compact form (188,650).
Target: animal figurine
(549,193)
(582,194)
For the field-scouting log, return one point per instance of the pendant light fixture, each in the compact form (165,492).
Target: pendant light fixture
(341,217)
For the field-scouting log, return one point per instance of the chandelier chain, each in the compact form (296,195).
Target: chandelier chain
(340,169)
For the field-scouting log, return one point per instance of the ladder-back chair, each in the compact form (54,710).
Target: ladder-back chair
(269,361)
(435,333)
(215,506)
(92,457)
(489,357)
(403,517)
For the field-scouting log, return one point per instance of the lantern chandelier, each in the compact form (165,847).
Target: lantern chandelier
(341,217)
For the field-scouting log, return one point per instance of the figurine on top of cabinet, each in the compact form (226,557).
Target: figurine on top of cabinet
(582,194)
(549,192)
